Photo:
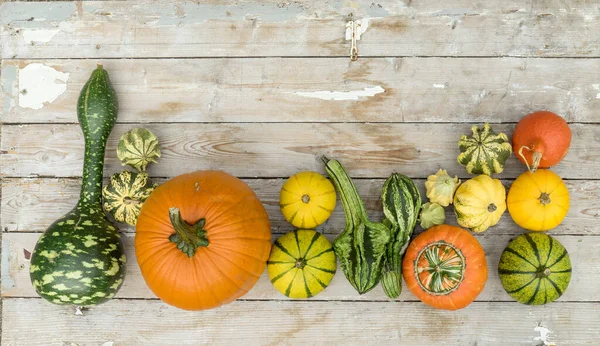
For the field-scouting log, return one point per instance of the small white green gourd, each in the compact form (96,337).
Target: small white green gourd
(127,191)
(485,152)
(432,214)
(440,187)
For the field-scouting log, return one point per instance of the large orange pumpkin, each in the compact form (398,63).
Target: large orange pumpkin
(445,267)
(202,240)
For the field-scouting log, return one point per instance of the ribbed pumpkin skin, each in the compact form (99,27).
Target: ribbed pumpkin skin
(538,201)
(461,260)
(479,203)
(535,269)
(307,199)
(238,232)
(302,263)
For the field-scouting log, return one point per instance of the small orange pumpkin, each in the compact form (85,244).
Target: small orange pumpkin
(202,240)
(445,267)
(541,139)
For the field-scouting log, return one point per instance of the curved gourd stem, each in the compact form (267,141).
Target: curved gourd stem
(187,237)
(535,160)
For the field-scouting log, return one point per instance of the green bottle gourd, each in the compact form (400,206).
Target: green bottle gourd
(401,205)
(362,245)
(79,259)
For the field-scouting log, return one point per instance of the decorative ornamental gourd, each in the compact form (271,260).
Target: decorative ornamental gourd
(479,203)
(535,269)
(302,263)
(541,140)
(79,259)
(307,199)
(441,187)
(485,152)
(362,245)
(202,240)
(125,194)
(445,267)
(401,205)
(538,201)
(137,148)
(432,214)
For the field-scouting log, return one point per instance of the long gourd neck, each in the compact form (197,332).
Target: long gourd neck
(353,205)
(97,114)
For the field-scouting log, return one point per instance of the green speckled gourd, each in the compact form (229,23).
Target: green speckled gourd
(125,195)
(362,245)
(485,152)
(401,206)
(79,260)
(137,148)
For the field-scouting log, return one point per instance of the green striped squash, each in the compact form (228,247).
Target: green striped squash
(485,152)
(535,269)
(302,263)
(79,260)
(401,205)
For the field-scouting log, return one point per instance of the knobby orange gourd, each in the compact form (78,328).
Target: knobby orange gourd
(202,240)
(541,140)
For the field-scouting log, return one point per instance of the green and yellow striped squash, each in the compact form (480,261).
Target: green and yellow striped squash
(137,148)
(125,195)
(535,269)
(485,152)
(301,264)
(79,260)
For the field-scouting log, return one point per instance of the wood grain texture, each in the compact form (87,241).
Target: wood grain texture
(304,90)
(32,204)
(584,253)
(304,323)
(281,149)
(145,28)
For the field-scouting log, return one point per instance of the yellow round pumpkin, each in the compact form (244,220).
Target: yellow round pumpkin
(479,203)
(307,199)
(302,263)
(538,201)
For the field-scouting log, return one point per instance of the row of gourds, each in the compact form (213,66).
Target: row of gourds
(203,238)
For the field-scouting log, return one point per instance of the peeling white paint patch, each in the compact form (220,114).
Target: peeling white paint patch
(342,95)
(439,86)
(361,27)
(108,343)
(596,87)
(7,280)
(38,36)
(544,335)
(38,85)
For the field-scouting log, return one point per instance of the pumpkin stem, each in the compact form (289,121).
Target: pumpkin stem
(544,198)
(187,237)
(535,159)
(305,199)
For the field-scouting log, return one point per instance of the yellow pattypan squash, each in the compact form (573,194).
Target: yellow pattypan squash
(440,188)
(479,203)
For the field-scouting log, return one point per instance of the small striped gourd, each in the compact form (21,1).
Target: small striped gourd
(125,195)
(535,269)
(485,152)
(401,205)
(301,264)
(138,148)
(79,259)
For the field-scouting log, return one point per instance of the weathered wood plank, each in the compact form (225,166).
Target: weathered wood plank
(322,90)
(31,204)
(280,150)
(584,253)
(307,323)
(145,28)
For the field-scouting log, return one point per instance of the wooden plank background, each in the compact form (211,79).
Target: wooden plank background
(262,89)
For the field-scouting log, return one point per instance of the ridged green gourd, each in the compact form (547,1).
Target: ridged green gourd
(79,259)
(125,195)
(535,269)
(485,152)
(362,245)
(401,206)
